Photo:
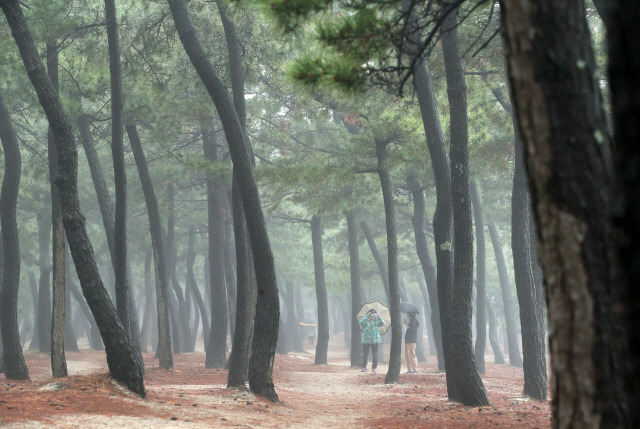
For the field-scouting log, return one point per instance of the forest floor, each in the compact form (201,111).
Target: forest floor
(191,396)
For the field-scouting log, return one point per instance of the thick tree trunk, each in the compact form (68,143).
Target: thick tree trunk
(493,335)
(15,368)
(507,299)
(427,266)
(624,49)
(123,361)
(356,290)
(58,360)
(155,227)
(267,311)
(393,374)
(566,143)
(463,382)
(322,344)
(481,295)
(217,346)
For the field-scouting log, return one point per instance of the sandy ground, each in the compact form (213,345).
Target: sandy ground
(311,396)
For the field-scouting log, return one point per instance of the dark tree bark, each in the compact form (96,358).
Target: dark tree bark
(623,49)
(427,266)
(145,330)
(463,382)
(393,374)
(530,293)
(217,346)
(565,139)
(33,286)
(507,299)
(322,343)
(493,335)
(70,341)
(123,361)
(356,290)
(15,368)
(58,360)
(1,276)
(481,295)
(267,310)
(155,227)
(124,295)
(44,287)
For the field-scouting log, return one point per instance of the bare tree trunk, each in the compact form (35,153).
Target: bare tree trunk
(322,344)
(493,335)
(356,290)
(481,295)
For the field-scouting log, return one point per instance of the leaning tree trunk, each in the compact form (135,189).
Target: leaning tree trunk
(15,368)
(382,269)
(94,334)
(322,344)
(624,50)
(481,294)
(493,335)
(356,290)
(565,138)
(267,311)
(427,266)
(507,299)
(216,348)
(155,227)
(393,374)
(463,382)
(123,361)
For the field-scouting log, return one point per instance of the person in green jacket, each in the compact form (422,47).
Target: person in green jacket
(371,324)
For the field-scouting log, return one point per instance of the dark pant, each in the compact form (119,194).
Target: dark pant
(365,355)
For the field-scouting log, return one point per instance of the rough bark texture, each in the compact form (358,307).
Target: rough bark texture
(507,299)
(481,294)
(624,69)
(395,353)
(322,343)
(427,266)
(58,360)
(15,368)
(121,357)
(155,227)
(559,113)
(463,382)
(267,310)
(217,346)
(356,290)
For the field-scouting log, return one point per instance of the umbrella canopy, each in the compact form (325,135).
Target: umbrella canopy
(379,308)
(407,307)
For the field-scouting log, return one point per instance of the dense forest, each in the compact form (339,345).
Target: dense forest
(231,178)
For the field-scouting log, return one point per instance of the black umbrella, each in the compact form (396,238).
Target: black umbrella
(407,307)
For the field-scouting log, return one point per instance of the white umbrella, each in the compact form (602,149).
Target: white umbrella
(379,308)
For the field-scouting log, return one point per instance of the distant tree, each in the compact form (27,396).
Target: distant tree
(322,343)
(481,296)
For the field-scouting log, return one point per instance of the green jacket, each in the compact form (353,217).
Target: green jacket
(371,331)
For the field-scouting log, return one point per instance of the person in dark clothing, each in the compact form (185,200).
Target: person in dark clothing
(410,343)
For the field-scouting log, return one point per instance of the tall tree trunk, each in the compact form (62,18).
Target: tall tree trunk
(481,294)
(507,299)
(15,367)
(33,286)
(356,290)
(155,228)
(493,335)
(58,360)
(463,382)
(44,287)
(565,139)
(145,330)
(382,269)
(623,49)
(267,311)
(189,287)
(322,344)
(427,266)
(123,361)
(428,318)
(33,295)
(217,346)
(70,341)
(292,318)
(393,374)
(530,293)
(229,269)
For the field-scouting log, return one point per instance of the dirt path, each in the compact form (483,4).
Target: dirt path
(312,396)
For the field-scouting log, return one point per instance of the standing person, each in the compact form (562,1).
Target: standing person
(371,324)
(410,343)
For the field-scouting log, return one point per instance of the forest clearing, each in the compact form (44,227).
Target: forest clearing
(190,396)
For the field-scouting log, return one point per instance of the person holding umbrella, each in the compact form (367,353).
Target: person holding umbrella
(371,324)
(410,343)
